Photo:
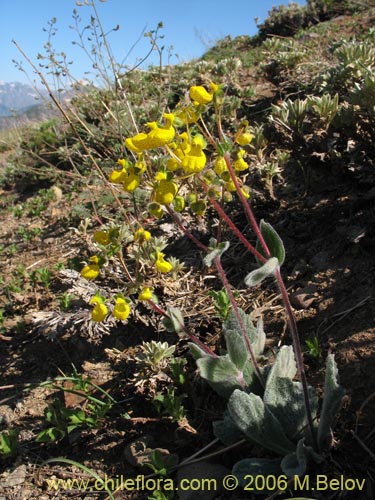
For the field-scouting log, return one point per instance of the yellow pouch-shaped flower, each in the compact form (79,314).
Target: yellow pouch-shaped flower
(121,310)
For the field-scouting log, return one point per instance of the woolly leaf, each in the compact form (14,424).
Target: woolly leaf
(237,350)
(333,394)
(258,275)
(221,374)
(227,431)
(284,366)
(258,423)
(255,467)
(295,463)
(285,399)
(273,241)
(175,320)
(197,352)
(216,251)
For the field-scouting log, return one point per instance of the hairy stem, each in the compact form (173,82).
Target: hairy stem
(192,337)
(233,302)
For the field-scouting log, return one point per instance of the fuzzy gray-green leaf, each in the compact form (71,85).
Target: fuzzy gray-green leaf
(221,374)
(284,366)
(216,251)
(256,467)
(258,423)
(273,241)
(232,323)
(284,398)
(295,463)
(227,431)
(258,275)
(236,347)
(333,394)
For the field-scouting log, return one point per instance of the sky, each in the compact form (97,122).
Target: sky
(191,27)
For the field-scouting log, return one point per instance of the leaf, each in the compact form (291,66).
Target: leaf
(284,366)
(197,352)
(258,275)
(260,341)
(258,423)
(237,350)
(221,373)
(273,241)
(295,463)
(232,323)
(285,399)
(255,467)
(226,430)
(333,394)
(175,320)
(216,251)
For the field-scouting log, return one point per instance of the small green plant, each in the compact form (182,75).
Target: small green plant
(65,301)
(62,420)
(156,355)
(9,443)
(171,404)
(313,347)
(221,302)
(42,275)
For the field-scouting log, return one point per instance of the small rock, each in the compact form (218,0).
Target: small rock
(196,473)
(16,477)
(304,297)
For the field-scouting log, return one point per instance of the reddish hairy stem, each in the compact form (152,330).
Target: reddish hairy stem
(297,351)
(233,227)
(233,302)
(192,337)
(246,206)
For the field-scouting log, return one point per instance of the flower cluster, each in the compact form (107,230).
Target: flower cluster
(191,169)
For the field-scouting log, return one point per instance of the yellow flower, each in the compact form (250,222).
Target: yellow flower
(122,309)
(230,186)
(160,176)
(100,310)
(118,176)
(124,163)
(244,138)
(142,235)
(199,95)
(131,182)
(165,192)
(240,164)
(91,271)
(140,165)
(155,138)
(220,165)
(161,264)
(145,294)
(102,237)
(195,160)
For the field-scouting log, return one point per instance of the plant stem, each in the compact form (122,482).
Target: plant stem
(233,302)
(192,337)
(297,351)
(246,206)
(232,226)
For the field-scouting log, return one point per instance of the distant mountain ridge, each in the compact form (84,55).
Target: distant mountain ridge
(17,97)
